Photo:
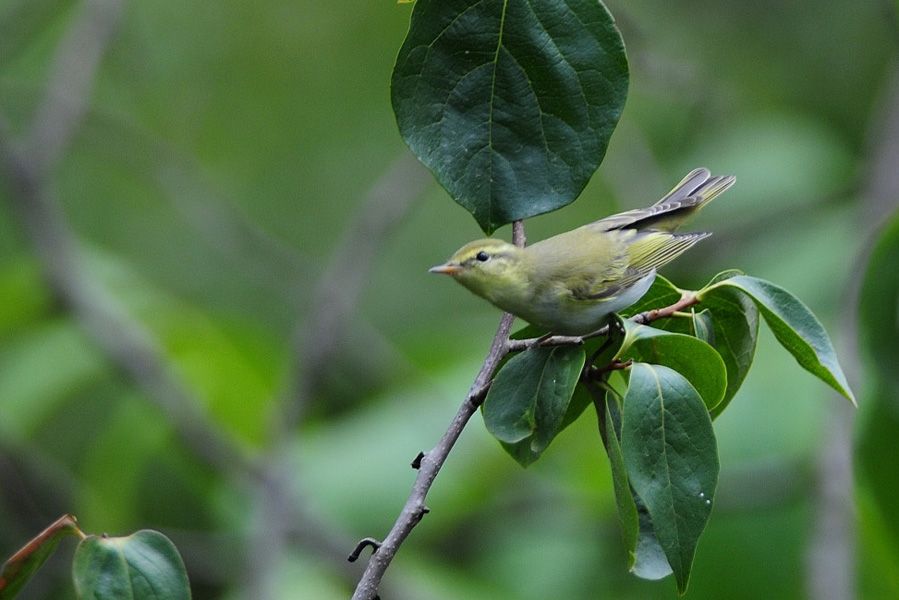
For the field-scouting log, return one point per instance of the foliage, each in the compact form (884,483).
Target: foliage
(142,566)
(470,91)
(510,103)
(876,456)
(228,153)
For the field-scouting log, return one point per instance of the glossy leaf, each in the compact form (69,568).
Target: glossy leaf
(671,457)
(20,567)
(527,403)
(734,321)
(691,357)
(142,566)
(510,103)
(661,293)
(703,326)
(794,326)
(646,557)
(624,500)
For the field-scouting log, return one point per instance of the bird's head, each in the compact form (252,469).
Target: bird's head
(487,267)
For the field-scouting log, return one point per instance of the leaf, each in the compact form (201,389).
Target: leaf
(510,103)
(627,509)
(529,398)
(23,564)
(650,561)
(646,557)
(879,305)
(878,461)
(876,456)
(689,356)
(734,332)
(142,566)
(703,327)
(794,326)
(580,400)
(661,293)
(671,458)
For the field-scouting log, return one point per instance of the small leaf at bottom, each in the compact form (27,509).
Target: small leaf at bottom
(142,566)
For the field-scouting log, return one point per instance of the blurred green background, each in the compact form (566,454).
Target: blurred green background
(240,197)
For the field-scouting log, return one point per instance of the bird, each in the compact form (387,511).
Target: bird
(570,283)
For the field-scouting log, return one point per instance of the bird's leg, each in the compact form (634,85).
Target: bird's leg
(618,329)
(605,346)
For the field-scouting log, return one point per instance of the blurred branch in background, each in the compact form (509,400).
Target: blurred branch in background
(316,342)
(832,556)
(71,80)
(127,344)
(26,167)
(334,301)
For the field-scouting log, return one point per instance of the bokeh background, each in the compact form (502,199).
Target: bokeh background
(216,318)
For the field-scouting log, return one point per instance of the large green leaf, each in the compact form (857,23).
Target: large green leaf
(142,566)
(690,356)
(727,320)
(646,557)
(511,103)
(23,564)
(794,326)
(879,306)
(734,322)
(878,461)
(671,458)
(529,398)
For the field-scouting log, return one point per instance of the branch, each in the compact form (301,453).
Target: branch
(125,341)
(831,571)
(72,75)
(687,300)
(431,463)
(338,290)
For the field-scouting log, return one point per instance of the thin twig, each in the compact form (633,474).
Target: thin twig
(431,463)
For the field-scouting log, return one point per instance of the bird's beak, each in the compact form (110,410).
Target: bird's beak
(447,269)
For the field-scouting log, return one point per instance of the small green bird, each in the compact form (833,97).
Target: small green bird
(568,284)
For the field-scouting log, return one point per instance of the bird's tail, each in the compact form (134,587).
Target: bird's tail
(698,184)
(695,190)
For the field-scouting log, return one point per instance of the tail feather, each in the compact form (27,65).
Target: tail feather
(697,189)
(700,184)
(688,186)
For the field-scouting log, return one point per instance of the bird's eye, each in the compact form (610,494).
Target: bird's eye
(482,256)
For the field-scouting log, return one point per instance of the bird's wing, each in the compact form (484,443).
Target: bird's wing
(647,252)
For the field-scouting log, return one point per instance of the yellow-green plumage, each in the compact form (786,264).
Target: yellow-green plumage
(569,283)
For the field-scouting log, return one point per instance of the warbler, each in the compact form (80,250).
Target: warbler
(570,283)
